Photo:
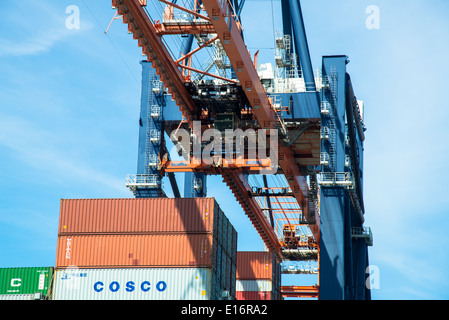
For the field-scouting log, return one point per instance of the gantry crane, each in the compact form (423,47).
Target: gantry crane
(300,112)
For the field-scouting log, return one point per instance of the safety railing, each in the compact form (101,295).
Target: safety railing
(153,160)
(292,269)
(364,233)
(325,107)
(324,158)
(173,15)
(155,111)
(157,86)
(336,179)
(141,180)
(347,161)
(155,135)
(325,133)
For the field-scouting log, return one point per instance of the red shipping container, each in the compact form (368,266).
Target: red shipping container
(253,295)
(106,251)
(255,265)
(147,215)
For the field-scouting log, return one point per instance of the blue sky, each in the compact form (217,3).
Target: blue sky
(69,109)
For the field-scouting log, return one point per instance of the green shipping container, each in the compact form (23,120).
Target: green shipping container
(25,281)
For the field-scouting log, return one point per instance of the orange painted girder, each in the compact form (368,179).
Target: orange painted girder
(222,163)
(157,53)
(185,28)
(299,244)
(241,189)
(300,291)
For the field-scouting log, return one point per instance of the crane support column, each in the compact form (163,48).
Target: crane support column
(147,182)
(301,45)
(343,240)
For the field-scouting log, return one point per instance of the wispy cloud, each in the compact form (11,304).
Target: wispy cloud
(48,29)
(45,151)
(37,44)
(415,273)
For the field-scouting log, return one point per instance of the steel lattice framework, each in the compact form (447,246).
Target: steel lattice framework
(232,94)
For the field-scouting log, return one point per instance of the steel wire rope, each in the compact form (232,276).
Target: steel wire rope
(195,58)
(112,43)
(273,23)
(279,205)
(159,8)
(174,42)
(177,42)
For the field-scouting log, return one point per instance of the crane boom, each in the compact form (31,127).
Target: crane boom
(223,20)
(153,47)
(229,32)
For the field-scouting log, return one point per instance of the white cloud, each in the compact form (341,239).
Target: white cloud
(32,46)
(45,151)
(43,40)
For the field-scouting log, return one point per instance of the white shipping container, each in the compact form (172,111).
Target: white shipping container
(253,285)
(133,284)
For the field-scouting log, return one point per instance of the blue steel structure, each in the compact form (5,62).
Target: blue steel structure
(150,135)
(293,14)
(328,102)
(147,183)
(344,241)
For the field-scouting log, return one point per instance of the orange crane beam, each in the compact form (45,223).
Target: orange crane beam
(152,46)
(202,166)
(191,28)
(300,291)
(242,190)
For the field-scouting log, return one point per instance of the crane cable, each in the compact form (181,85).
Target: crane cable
(112,43)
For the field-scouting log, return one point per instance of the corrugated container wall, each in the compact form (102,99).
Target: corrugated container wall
(149,233)
(138,215)
(134,284)
(254,295)
(257,271)
(25,282)
(113,251)
(255,265)
(254,285)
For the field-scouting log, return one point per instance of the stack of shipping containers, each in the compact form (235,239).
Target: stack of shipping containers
(151,248)
(258,276)
(26,283)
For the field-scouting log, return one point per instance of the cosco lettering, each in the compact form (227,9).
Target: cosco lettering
(130,286)
(114,286)
(145,286)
